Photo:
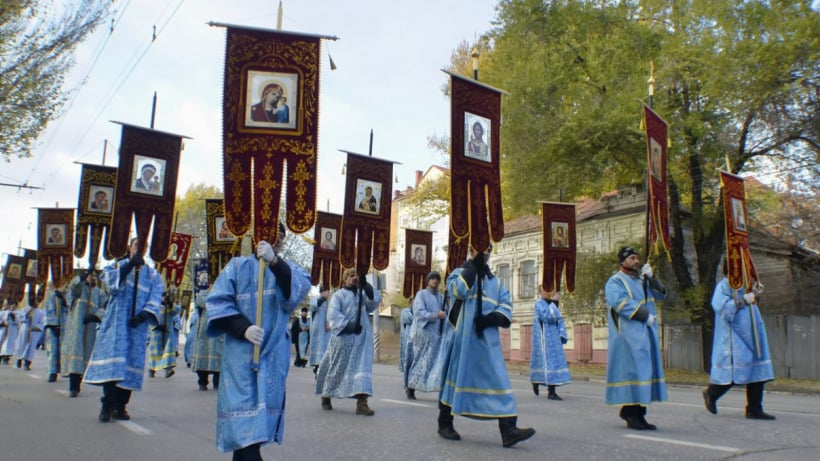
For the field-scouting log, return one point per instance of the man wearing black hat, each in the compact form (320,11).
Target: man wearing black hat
(634,373)
(428,314)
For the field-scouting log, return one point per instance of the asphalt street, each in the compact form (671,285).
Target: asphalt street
(173,420)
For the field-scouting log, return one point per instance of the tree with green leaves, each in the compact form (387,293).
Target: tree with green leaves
(735,79)
(36,52)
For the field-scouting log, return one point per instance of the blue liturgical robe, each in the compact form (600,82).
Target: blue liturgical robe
(425,370)
(250,405)
(79,337)
(475,380)
(634,372)
(119,353)
(346,369)
(405,344)
(55,320)
(740,348)
(319,336)
(548,364)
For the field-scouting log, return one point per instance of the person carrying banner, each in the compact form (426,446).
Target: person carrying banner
(482,306)
(634,369)
(251,400)
(740,348)
(118,360)
(548,364)
(346,370)
(86,299)
(428,315)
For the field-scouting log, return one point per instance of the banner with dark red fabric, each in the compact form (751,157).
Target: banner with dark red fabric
(95,206)
(31,274)
(366,222)
(742,271)
(222,243)
(326,269)
(558,245)
(418,255)
(146,189)
(55,245)
(475,189)
(173,268)
(13,287)
(270,120)
(656,144)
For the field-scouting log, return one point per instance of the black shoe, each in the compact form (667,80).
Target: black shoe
(151,373)
(121,415)
(73,393)
(411,394)
(52,377)
(169,372)
(19,364)
(203,387)
(326,405)
(709,402)
(105,414)
(634,423)
(448,432)
(647,426)
(516,435)
(762,415)
(535,389)
(554,396)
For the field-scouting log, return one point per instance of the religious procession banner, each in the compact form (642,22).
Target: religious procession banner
(656,145)
(476,217)
(418,255)
(145,189)
(173,268)
(13,286)
(95,207)
(270,119)
(366,220)
(222,243)
(55,241)
(326,268)
(31,274)
(742,271)
(558,245)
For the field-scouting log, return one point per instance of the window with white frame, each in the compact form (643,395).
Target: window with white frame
(504,275)
(526,286)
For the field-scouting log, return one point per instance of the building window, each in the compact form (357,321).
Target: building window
(526,287)
(504,276)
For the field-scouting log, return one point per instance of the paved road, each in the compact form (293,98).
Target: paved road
(173,420)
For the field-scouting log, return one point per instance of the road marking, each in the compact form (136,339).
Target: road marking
(134,427)
(32,375)
(688,444)
(404,402)
(61,392)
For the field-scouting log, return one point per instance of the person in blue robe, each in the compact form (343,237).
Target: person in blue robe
(406,348)
(250,405)
(634,369)
(475,382)
(428,318)
(206,360)
(346,370)
(87,300)
(163,339)
(190,338)
(740,348)
(4,326)
(548,364)
(319,328)
(118,360)
(56,309)
(31,330)
(12,327)
(300,335)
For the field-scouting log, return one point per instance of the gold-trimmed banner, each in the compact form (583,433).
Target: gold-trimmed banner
(146,189)
(13,287)
(656,144)
(742,271)
(55,245)
(558,245)
(326,268)
(475,189)
(270,118)
(95,207)
(173,268)
(418,256)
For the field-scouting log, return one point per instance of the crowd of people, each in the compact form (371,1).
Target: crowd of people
(101,326)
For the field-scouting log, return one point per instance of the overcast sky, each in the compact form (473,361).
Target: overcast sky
(389,56)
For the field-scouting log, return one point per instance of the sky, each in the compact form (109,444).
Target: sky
(389,58)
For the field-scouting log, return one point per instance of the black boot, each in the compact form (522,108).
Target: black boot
(52,377)
(535,389)
(758,414)
(512,434)
(445,424)
(411,394)
(552,395)
(121,414)
(709,402)
(28,364)
(19,364)
(105,412)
